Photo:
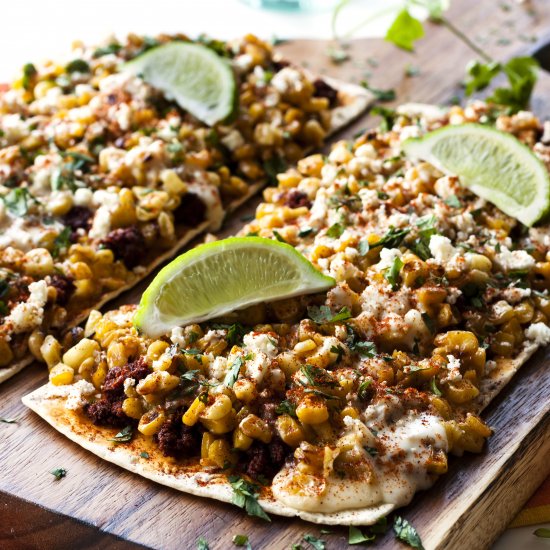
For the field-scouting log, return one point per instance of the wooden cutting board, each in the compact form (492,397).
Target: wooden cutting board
(467,508)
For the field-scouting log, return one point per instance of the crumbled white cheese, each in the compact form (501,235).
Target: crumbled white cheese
(287,80)
(388,257)
(129,383)
(258,367)
(83,196)
(260,342)
(177,337)
(77,394)
(514,294)
(453,294)
(28,315)
(233,140)
(453,369)
(539,333)
(514,260)
(441,249)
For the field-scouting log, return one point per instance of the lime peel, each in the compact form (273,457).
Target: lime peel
(217,278)
(494,165)
(195,77)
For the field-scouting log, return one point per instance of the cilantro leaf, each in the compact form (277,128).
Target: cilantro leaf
(278,236)
(17,201)
(405,31)
(62,241)
(123,436)
(363,247)
(453,201)
(480,75)
(380,95)
(202,544)
(318,544)
(405,532)
(388,117)
(245,495)
(434,389)
(286,407)
(241,540)
(106,50)
(273,166)
(323,314)
(59,473)
(392,238)
(363,387)
(522,73)
(339,351)
(8,420)
(364,348)
(77,66)
(392,273)
(233,373)
(335,230)
(428,321)
(144,454)
(306,231)
(318,377)
(357,537)
(542,532)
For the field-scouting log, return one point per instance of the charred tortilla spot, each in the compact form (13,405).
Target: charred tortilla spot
(127,244)
(191,211)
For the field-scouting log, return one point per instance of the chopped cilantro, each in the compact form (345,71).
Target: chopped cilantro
(278,236)
(59,473)
(317,544)
(106,50)
(62,241)
(542,532)
(405,532)
(453,201)
(338,55)
(335,230)
(305,232)
(202,544)
(363,387)
(392,238)
(339,351)
(323,314)
(286,407)
(241,540)
(233,373)
(29,71)
(380,95)
(245,495)
(392,273)
(8,420)
(434,389)
(357,537)
(363,247)
(428,321)
(77,66)
(17,201)
(124,435)
(144,454)
(388,117)
(318,377)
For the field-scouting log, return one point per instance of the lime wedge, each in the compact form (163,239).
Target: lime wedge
(192,75)
(493,164)
(216,278)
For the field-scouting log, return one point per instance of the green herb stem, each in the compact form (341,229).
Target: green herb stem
(461,36)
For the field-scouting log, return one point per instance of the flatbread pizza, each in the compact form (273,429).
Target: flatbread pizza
(338,406)
(102,178)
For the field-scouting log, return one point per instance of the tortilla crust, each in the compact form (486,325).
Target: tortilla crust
(187,477)
(353,99)
(191,478)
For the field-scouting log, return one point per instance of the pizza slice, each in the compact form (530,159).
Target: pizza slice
(338,406)
(102,177)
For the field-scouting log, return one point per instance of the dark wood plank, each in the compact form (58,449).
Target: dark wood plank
(466,508)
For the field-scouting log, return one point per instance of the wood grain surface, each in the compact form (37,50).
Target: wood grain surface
(467,508)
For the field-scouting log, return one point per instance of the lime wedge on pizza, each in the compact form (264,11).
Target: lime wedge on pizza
(493,164)
(217,278)
(194,76)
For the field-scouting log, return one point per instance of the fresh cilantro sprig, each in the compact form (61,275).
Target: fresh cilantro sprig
(123,436)
(392,273)
(245,495)
(405,532)
(323,314)
(392,238)
(58,473)
(18,201)
(233,373)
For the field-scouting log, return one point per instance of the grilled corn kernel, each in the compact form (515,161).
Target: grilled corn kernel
(256,428)
(241,441)
(151,422)
(80,352)
(191,415)
(289,430)
(172,183)
(93,319)
(36,339)
(245,390)
(6,355)
(207,440)
(99,374)
(312,411)
(61,374)
(301,348)
(50,351)
(156,382)
(156,349)
(132,407)
(221,426)
(218,409)
(219,453)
